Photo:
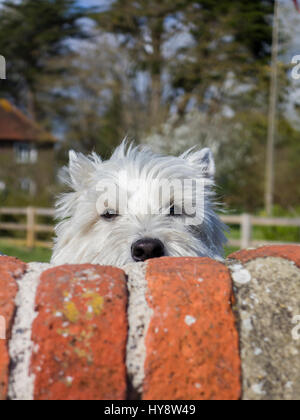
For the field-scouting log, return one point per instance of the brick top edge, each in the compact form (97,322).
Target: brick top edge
(11,264)
(5,258)
(288,252)
(80,267)
(180,260)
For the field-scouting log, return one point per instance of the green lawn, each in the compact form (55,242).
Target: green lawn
(43,254)
(230,249)
(25,254)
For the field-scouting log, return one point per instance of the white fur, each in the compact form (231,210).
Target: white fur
(83,236)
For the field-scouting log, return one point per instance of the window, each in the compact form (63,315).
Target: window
(25,153)
(28,186)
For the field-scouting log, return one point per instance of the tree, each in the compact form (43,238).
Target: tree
(92,105)
(144,27)
(216,38)
(30,35)
(238,145)
(229,37)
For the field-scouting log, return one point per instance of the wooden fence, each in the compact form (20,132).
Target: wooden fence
(245,221)
(31,227)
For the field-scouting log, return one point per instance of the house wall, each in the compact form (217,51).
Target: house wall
(32,181)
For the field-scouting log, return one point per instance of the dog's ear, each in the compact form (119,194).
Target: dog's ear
(81,169)
(202,159)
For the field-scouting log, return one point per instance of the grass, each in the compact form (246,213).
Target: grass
(230,250)
(39,254)
(25,254)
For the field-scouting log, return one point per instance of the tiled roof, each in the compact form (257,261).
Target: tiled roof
(15,126)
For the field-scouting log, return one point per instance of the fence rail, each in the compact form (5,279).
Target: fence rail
(245,221)
(31,227)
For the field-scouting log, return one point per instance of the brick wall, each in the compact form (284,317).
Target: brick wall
(167,329)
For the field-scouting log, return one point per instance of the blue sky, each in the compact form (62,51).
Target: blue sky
(87,3)
(97,3)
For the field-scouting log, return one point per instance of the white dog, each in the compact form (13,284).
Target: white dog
(118,212)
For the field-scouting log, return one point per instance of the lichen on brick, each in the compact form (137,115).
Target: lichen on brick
(71,312)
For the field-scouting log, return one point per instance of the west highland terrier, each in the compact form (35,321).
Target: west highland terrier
(136,206)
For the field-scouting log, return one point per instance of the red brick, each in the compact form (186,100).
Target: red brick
(80,355)
(289,252)
(10,270)
(200,361)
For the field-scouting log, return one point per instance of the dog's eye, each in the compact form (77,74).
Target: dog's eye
(173,211)
(109,215)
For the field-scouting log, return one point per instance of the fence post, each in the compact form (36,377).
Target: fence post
(30,227)
(246,231)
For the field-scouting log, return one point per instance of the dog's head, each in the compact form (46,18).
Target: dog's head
(137,206)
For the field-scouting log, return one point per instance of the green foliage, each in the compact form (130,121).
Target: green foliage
(225,36)
(229,36)
(31,34)
(242,179)
(281,233)
(142,29)
(287,153)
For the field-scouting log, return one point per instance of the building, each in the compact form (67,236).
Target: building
(26,156)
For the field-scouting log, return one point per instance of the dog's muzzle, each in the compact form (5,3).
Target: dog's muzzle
(146,249)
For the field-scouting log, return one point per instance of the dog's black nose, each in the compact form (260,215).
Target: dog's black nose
(145,249)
